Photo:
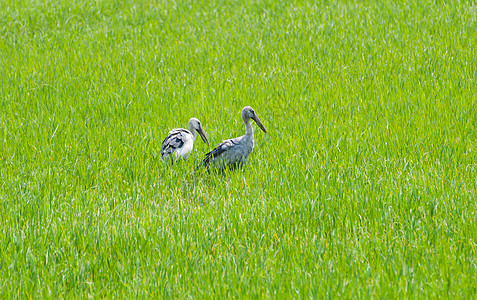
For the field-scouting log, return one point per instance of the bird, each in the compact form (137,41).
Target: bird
(180,142)
(233,153)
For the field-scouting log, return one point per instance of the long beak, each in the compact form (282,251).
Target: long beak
(259,123)
(203,136)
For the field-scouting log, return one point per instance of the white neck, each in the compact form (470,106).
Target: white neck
(194,132)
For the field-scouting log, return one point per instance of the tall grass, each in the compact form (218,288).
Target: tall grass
(364,185)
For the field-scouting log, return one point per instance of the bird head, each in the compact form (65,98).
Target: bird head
(194,124)
(249,113)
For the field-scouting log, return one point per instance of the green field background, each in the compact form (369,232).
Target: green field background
(364,185)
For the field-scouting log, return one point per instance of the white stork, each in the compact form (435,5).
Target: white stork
(180,142)
(234,152)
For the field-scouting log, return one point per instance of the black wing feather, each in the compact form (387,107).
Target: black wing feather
(173,141)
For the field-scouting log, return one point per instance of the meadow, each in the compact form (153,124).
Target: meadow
(364,185)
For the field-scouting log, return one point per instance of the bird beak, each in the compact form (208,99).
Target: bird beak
(203,136)
(259,123)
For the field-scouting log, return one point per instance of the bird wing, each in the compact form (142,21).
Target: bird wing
(219,150)
(175,140)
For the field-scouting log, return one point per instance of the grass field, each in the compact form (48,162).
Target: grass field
(364,185)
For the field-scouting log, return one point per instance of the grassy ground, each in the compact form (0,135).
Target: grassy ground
(365,184)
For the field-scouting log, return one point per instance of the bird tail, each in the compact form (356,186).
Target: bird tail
(168,159)
(205,163)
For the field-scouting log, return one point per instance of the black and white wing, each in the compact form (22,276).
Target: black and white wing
(174,141)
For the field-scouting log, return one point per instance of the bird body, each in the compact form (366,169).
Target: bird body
(234,152)
(180,142)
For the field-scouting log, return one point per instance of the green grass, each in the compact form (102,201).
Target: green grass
(364,186)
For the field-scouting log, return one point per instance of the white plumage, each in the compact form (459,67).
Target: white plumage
(180,142)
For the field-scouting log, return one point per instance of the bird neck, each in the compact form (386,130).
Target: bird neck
(248,127)
(193,132)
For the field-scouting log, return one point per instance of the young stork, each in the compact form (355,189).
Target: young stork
(234,152)
(180,141)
